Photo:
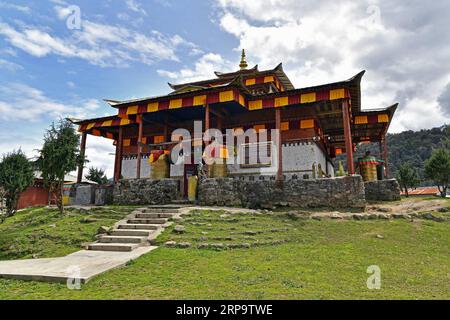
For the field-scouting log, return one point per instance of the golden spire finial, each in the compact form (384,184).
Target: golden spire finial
(243,65)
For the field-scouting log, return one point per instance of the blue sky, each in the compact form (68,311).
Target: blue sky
(132,48)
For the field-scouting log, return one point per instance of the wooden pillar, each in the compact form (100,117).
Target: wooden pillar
(207,118)
(280,144)
(385,157)
(139,151)
(118,165)
(348,137)
(82,154)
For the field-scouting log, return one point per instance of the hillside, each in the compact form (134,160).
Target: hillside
(409,146)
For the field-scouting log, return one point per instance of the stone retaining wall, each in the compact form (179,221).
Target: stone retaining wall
(345,192)
(146,191)
(383,190)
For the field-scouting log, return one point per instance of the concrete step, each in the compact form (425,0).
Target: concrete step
(181,202)
(119,247)
(130,226)
(160,210)
(153,215)
(147,221)
(130,233)
(121,239)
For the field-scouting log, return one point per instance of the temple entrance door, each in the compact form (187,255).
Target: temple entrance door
(189,171)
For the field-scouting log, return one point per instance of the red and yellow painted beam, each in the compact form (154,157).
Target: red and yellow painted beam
(177,103)
(372,119)
(106,123)
(304,98)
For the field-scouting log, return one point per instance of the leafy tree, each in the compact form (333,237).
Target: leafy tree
(59,155)
(97,175)
(437,168)
(16,175)
(407,177)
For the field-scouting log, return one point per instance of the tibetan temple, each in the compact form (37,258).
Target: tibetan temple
(316,124)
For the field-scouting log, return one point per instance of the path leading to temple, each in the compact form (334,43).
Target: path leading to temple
(127,240)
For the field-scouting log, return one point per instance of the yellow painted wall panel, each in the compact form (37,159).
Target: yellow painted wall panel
(281,102)
(199,100)
(158,139)
(337,94)
(175,104)
(132,110)
(308,97)
(250,82)
(107,123)
(383,118)
(285,126)
(307,124)
(269,79)
(361,120)
(152,107)
(226,96)
(259,127)
(255,105)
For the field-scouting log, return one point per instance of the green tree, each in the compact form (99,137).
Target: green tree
(97,175)
(437,168)
(16,175)
(407,177)
(59,155)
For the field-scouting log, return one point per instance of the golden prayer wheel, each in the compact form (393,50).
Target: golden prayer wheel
(368,167)
(216,159)
(159,162)
(218,169)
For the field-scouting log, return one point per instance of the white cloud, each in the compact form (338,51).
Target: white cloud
(23,9)
(10,66)
(100,44)
(325,41)
(203,69)
(21,102)
(135,6)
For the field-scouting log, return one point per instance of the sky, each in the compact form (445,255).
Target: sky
(61,58)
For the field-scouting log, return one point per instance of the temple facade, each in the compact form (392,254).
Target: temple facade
(263,126)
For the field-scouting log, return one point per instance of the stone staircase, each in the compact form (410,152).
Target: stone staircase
(139,229)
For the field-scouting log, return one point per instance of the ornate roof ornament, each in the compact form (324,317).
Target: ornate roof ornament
(243,65)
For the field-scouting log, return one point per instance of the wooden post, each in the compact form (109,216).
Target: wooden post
(207,117)
(118,166)
(82,154)
(280,145)
(139,151)
(385,156)
(348,137)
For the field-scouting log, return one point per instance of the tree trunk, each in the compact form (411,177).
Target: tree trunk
(60,193)
(406,191)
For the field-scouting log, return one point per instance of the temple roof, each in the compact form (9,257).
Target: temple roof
(246,73)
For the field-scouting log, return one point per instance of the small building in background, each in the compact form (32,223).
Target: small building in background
(39,195)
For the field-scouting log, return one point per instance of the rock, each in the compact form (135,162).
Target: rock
(52,225)
(358,216)
(103,230)
(430,216)
(205,233)
(88,220)
(251,233)
(444,210)
(379,236)
(179,229)
(218,246)
(224,216)
(184,245)
(283,204)
(383,216)
(170,244)
(202,239)
(336,216)
(373,216)
(385,210)
(399,216)
(318,218)
(203,246)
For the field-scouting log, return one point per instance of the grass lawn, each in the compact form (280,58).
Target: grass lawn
(287,258)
